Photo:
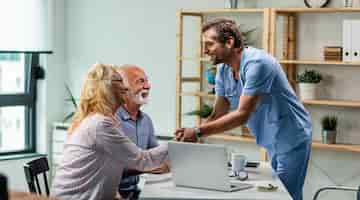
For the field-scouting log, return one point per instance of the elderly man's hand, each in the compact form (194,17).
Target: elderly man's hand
(185,135)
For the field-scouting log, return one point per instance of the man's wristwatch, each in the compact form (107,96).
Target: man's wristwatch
(198,132)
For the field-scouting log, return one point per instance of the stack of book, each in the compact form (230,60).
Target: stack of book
(333,53)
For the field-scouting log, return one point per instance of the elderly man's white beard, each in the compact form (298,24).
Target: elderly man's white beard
(139,97)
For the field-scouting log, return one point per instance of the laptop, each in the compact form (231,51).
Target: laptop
(202,166)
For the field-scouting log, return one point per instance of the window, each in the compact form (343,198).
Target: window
(17,102)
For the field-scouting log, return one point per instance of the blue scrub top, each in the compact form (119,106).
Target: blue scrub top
(280,121)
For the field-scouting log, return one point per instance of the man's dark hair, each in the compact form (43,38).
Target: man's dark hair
(225,29)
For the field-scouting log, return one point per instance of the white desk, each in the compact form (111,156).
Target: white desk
(161,187)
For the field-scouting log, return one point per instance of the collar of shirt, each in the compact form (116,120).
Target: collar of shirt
(121,112)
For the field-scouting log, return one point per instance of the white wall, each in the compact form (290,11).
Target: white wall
(138,32)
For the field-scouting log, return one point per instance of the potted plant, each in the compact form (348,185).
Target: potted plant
(308,81)
(204,112)
(73,102)
(329,125)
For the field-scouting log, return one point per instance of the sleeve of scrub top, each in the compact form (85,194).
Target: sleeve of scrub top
(112,141)
(219,81)
(259,78)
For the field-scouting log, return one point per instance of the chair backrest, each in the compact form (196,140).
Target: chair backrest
(32,170)
(3,188)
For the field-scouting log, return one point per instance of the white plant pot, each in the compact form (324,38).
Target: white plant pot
(307,90)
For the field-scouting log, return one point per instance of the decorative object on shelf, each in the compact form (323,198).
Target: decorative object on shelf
(316,3)
(350,40)
(329,125)
(233,4)
(204,112)
(308,81)
(333,53)
(71,99)
(356,4)
(348,3)
(210,75)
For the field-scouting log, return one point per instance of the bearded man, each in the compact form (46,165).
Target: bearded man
(136,124)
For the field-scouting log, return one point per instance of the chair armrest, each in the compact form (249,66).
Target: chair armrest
(343,188)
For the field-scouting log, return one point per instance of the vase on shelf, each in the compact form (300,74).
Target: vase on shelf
(329,136)
(307,91)
(233,4)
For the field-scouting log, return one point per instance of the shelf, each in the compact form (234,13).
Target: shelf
(319,62)
(237,138)
(198,94)
(315,144)
(191,79)
(336,147)
(355,104)
(219,11)
(316,10)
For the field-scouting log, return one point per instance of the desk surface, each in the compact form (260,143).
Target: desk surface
(161,187)
(27,196)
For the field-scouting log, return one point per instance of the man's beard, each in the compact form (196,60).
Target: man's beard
(141,97)
(217,61)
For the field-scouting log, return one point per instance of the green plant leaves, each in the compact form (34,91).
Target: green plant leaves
(309,76)
(204,112)
(329,122)
(72,99)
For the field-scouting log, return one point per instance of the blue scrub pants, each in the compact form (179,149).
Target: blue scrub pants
(291,168)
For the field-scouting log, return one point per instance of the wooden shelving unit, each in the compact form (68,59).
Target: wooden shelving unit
(315,144)
(287,11)
(354,104)
(336,147)
(319,62)
(289,62)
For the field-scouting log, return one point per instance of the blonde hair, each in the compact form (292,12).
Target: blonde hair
(97,94)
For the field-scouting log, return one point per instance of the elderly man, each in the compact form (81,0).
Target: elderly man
(136,124)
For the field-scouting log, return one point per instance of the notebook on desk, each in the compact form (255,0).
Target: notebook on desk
(201,166)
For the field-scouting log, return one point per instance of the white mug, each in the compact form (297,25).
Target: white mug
(238,162)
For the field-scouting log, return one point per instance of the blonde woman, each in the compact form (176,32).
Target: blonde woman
(96,149)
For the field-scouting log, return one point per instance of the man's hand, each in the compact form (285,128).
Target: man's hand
(164,168)
(185,135)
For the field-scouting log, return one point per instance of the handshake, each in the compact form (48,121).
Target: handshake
(186,135)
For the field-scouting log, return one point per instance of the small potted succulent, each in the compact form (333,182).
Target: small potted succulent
(329,125)
(308,81)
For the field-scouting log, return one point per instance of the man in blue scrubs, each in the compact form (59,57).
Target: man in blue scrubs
(136,124)
(251,88)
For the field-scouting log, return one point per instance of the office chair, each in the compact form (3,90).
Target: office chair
(32,170)
(343,188)
(3,188)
